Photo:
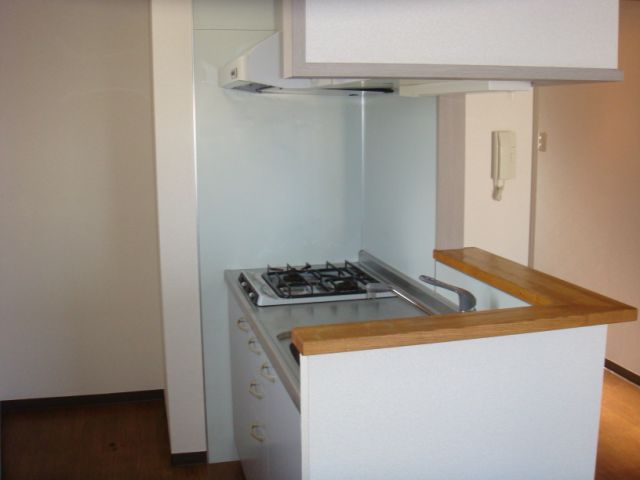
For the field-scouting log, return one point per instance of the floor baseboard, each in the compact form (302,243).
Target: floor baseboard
(623,372)
(188,458)
(77,400)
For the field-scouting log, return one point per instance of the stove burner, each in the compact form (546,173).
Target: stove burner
(292,277)
(289,268)
(306,281)
(349,285)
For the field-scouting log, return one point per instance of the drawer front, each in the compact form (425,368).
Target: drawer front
(249,430)
(266,421)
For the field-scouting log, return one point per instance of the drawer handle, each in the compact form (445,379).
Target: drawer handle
(254,346)
(254,389)
(265,371)
(257,432)
(243,325)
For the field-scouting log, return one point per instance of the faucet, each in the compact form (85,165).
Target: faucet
(466,300)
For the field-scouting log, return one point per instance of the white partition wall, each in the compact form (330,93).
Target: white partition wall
(518,406)
(176,183)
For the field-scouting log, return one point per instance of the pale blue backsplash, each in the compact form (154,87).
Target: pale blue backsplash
(399,218)
(279,180)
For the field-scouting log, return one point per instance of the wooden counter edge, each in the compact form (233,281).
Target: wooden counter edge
(572,307)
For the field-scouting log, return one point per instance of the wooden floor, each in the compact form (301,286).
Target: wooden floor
(99,442)
(619,443)
(129,441)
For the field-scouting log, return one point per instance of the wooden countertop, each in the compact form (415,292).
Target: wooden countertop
(555,304)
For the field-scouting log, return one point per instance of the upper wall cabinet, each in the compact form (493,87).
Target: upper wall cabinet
(539,40)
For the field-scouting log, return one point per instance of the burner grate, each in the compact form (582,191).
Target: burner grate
(307,281)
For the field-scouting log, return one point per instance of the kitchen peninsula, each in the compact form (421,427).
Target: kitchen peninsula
(498,393)
(555,304)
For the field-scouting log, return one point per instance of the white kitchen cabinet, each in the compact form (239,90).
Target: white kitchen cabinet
(518,406)
(512,406)
(538,40)
(246,419)
(266,421)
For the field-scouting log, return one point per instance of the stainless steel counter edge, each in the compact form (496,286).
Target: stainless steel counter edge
(430,301)
(289,380)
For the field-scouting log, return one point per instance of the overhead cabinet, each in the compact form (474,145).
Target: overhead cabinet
(538,40)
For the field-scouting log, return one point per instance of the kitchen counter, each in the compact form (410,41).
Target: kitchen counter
(361,411)
(273,325)
(554,304)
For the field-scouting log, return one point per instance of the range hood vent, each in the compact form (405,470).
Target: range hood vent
(327,90)
(258,71)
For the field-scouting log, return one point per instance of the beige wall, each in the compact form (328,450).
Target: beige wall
(79,282)
(501,227)
(587,224)
(467,214)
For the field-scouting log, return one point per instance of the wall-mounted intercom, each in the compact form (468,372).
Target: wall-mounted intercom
(503,159)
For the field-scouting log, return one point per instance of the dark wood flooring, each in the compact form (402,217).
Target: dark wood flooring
(97,442)
(130,441)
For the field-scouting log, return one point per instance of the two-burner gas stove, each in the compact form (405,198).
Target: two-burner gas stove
(309,284)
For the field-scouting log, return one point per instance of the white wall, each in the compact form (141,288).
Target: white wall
(79,281)
(467,214)
(517,406)
(278,181)
(587,226)
(172,39)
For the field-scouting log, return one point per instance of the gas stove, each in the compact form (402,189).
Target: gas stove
(367,278)
(307,283)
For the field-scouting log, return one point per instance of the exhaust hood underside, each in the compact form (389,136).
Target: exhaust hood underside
(259,71)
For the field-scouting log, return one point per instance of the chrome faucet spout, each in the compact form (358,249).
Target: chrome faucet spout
(466,299)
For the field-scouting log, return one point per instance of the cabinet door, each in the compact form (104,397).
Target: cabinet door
(248,427)
(282,428)
(456,39)
(266,421)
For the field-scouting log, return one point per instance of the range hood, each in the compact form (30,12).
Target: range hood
(258,70)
